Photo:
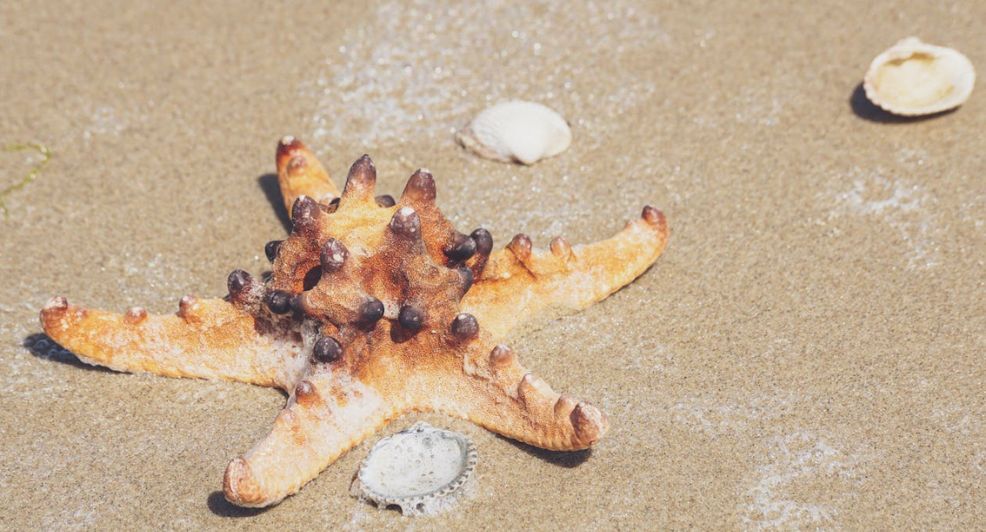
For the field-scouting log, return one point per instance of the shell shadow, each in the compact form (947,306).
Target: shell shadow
(567,459)
(867,110)
(220,506)
(268,184)
(42,346)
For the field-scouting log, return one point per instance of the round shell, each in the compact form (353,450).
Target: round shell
(913,78)
(517,131)
(421,469)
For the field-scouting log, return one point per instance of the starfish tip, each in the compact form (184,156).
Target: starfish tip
(654,217)
(54,304)
(240,486)
(287,144)
(589,422)
(52,313)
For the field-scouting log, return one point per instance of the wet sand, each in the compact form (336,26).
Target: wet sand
(809,352)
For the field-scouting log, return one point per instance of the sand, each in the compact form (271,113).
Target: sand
(809,352)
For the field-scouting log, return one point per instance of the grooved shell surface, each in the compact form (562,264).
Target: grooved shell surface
(913,78)
(517,131)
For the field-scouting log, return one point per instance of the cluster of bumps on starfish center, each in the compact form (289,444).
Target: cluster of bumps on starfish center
(315,275)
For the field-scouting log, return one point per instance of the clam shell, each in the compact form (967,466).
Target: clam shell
(421,469)
(913,78)
(516,131)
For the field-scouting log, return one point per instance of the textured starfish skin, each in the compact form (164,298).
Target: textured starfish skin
(375,308)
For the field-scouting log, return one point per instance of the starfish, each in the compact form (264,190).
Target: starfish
(374,308)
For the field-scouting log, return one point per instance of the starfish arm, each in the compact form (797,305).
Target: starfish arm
(324,418)
(209,339)
(299,173)
(497,393)
(521,284)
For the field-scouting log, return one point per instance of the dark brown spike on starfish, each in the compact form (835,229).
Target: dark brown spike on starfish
(372,310)
(279,301)
(484,246)
(239,284)
(386,200)
(361,181)
(326,350)
(304,213)
(467,278)
(462,248)
(411,318)
(406,222)
(333,256)
(420,188)
(271,249)
(465,326)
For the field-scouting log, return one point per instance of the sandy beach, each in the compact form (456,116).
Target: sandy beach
(809,352)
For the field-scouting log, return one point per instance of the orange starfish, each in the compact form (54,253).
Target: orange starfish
(374,308)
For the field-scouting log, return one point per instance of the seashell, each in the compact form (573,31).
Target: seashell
(516,131)
(913,78)
(421,469)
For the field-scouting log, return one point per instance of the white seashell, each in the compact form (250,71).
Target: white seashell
(913,78)
(517,131)
(421,469)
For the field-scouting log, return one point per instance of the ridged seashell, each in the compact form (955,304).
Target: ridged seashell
(421,469)
(516,131)
(913,78)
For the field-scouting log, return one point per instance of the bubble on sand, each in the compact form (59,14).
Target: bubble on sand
(904,206)
(799,457)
